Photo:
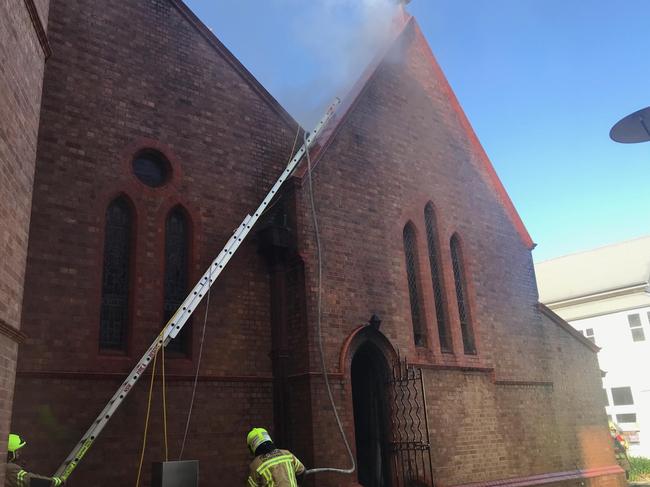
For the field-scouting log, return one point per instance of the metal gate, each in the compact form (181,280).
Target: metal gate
(409,444)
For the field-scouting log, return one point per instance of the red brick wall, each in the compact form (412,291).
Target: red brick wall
(21,78)
(578,400)
(142,75)
(496,415)
(125,76)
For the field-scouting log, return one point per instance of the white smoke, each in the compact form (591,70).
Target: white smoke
(342,37)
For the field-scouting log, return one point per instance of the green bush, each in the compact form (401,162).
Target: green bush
(639,468)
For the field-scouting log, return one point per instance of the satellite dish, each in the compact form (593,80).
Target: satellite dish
(633,128)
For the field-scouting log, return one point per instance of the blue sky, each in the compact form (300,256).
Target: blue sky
(542,82)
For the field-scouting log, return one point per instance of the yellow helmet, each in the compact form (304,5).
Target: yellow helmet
(613,428)
(256,437)
(15,443)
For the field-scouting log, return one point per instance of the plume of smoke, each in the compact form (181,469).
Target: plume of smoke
(342,37)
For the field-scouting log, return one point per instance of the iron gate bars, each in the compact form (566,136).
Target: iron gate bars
(409,445)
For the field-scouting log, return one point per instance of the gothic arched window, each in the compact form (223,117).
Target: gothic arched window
(116,276)
(461,296)
(412,274)
(177,238)
(436,278)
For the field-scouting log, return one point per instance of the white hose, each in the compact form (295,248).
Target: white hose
(319,335)
(198,365)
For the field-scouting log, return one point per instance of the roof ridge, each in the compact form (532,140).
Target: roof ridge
(493,178)
(594,249)
(331,130)
(349,101)
(231,59)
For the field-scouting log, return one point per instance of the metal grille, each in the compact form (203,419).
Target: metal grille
(410,252)
(461,297)
(410,445)
(176,274)
(114,316)
(436,280)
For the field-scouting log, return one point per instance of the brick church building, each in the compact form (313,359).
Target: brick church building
(154,142)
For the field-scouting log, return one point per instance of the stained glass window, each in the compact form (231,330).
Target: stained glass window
(436,279)
(412,274)
(461,297)
(116,279)
(151,168)
(177,274)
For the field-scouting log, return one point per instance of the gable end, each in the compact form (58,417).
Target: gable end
(230,58)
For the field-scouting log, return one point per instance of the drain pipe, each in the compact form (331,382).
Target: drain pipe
(274,245)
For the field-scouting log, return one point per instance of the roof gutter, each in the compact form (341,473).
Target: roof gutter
(642,287)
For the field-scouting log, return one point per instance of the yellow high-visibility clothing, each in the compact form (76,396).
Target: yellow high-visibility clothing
(15,476)
(277,468)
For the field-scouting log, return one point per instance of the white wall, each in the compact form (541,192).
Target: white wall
(627,363)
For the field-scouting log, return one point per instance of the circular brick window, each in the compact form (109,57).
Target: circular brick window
(151,168)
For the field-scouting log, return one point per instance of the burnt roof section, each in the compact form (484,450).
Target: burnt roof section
(328,134)
(209,36)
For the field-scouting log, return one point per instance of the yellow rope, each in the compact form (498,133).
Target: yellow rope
(164,393)
(164,400)
(146,423)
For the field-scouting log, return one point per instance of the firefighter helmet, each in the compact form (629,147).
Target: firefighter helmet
(15,443)
(256,437)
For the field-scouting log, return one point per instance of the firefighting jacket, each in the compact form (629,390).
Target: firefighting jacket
(15,476)
(277,468)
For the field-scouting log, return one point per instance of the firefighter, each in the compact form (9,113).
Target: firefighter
(620,448)
(15,476)
(271,466)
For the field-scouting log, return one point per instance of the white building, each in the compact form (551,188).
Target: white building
(605,294)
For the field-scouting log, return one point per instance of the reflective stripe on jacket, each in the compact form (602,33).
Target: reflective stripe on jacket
(15,476)
(278,468)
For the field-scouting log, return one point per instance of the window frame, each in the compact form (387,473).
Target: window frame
(628,390)
(437,279)
(181,346)
(636,329)
(124,346)
(619,417)
(160,160)
(414,284)
(462,296)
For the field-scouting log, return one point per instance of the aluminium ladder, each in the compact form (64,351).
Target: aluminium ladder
(185,310)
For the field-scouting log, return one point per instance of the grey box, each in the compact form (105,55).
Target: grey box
(175,474)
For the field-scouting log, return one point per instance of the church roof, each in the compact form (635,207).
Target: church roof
(402,26)
(608,269)
(235,63)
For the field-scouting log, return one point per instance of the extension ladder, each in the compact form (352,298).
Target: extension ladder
(189,305)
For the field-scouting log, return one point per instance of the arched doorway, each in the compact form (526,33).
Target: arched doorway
(369,395)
